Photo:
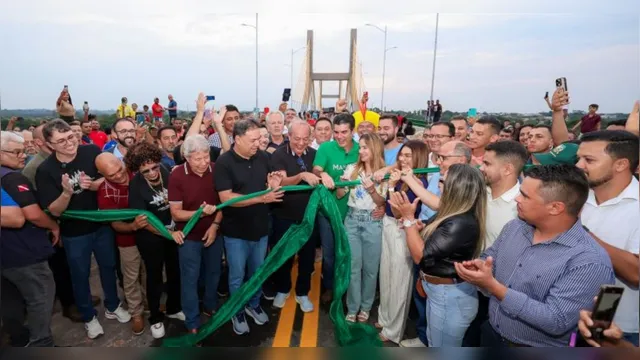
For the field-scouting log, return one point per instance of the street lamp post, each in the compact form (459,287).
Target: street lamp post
(384,61)
(256,28)
(433,70)
(292,53)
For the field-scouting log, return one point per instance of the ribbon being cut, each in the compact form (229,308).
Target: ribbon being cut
(358,334)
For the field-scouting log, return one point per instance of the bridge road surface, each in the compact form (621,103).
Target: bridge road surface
(287,327)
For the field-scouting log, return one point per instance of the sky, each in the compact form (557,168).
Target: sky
(495,55)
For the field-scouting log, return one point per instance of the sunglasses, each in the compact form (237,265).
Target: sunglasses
(154,168)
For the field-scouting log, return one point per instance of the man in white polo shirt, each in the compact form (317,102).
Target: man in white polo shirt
(612,213)
(501,165)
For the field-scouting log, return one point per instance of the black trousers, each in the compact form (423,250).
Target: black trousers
(473,336)
(306,259)
(157,252)
(62,276)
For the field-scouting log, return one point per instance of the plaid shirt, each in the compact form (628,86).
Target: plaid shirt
(114,196)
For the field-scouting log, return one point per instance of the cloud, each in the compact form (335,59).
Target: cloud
(499,54)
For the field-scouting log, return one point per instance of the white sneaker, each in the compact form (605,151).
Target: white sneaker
(280,300)
(94,329)
(157,330)
(119,314)
(415,343)
(179,315)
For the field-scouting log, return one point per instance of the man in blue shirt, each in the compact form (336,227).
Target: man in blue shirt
(544,267)
(388,131)
(172,108)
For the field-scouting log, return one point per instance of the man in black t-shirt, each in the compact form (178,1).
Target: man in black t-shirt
(296,160)
(68,180)
(25,251)
(245,225)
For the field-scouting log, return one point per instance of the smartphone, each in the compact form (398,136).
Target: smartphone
(562,83)
(210,97)
(315,115)
(266,110)
(66,88)
(19,119)
(286,95)
(473,112)
(546,95)
(605,309)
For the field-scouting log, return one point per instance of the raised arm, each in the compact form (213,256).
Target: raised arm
(559,131)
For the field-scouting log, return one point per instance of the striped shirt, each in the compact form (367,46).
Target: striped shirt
(214,140)
(548,283)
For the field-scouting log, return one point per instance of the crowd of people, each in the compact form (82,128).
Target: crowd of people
(490,250)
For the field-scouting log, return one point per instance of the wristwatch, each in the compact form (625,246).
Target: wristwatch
(409,223)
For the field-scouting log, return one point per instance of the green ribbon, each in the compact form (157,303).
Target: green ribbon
(346,334)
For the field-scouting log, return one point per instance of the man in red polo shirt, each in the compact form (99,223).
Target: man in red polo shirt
(191,186)
(157,110)
(590,122)
(113,193)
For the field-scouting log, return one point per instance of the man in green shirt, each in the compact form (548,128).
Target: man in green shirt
(331,160)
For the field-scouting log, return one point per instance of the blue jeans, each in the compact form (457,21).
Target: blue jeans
(328,250)
(365,240)
(421,306)
(632,338)
(450,310)
(241,255)
(193,257)
(78,250)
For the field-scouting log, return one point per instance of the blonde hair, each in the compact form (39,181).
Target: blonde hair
(375,144)
(464,190)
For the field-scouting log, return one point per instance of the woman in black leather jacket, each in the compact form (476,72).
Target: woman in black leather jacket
(455,234)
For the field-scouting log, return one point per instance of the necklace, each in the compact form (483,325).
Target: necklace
(162,193)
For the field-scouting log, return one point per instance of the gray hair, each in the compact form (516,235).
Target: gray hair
(271,113)
(9,136)
(298,122)
(462,149)
(195,143)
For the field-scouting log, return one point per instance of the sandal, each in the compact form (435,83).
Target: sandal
(363,316)
(351,318)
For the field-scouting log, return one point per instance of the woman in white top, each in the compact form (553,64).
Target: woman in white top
(364,232)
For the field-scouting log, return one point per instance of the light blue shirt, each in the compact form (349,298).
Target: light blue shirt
(426,213)
(390,155)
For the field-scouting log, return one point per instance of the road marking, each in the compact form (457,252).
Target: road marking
(309,335)
(287,315)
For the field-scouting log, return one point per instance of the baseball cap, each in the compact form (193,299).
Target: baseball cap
(562,154)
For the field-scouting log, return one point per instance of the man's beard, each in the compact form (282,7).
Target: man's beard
(388,139)
(123,142)
(599,182)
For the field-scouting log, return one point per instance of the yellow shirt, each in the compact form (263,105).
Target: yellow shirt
(125,111)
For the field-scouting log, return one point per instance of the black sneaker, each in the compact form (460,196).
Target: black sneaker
(269,295)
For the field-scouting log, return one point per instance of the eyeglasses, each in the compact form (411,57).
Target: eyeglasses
(63,142)
(438,136)
(154,168)
(300,163)
(17,153)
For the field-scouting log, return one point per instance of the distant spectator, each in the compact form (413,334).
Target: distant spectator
(590,122)
(64,107)
(172,108)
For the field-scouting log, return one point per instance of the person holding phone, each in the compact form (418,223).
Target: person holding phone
(64,107)
(543,268)
(612,336)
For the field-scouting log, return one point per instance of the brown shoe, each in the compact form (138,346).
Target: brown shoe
(327,297)
(72,313)
(137,324)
